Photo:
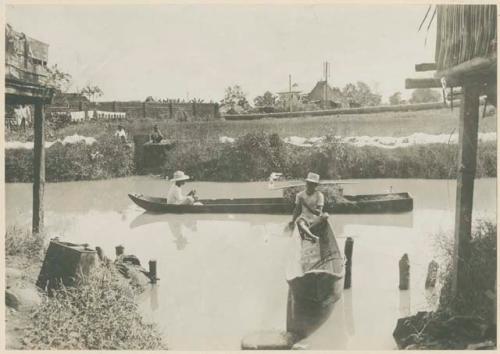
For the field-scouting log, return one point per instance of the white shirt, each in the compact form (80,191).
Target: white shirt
(174,195)
(121,133)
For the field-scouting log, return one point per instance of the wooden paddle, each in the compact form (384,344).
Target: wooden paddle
(304,183)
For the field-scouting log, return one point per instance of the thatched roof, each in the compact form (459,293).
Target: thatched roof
(465,32)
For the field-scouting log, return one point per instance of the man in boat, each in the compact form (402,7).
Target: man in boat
(309,208)
(156,136)
(175,196)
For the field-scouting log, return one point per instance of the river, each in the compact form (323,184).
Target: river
(222,276)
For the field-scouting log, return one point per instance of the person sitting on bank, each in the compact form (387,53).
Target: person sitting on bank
(156,136)
(175,196)
(120,133)
(308,210)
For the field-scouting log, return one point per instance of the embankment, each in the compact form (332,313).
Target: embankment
(251,157)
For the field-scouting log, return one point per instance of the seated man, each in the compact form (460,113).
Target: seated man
(156,136)
(175,196)
(309,208)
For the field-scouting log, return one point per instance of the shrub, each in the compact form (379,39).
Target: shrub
(479,297)
(24,244)
(99,314)
(107,158)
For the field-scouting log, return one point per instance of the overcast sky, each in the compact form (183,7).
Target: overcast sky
(170,51)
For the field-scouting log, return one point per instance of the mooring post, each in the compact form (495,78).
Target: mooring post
(432,271)
(467,151)
(404,272)
(348,248)
(119,250)
(100,253)
(152,271)
(38,168)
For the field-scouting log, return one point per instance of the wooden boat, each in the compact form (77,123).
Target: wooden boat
(355,204)
(315,275)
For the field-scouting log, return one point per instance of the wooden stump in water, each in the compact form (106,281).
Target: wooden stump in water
(432,271)
(404,272)
(348,248)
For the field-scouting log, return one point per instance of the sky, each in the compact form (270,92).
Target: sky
(197,50)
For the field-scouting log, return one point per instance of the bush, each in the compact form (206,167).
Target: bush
(108,158)
(479,297)
(99,314)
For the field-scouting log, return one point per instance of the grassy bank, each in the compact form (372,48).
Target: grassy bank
(253,157)
(442,121)
(100,313)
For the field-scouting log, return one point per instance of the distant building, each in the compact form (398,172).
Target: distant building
(327,96)
(73,100)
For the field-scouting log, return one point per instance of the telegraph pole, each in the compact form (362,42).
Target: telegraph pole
(290,92)
(326,73)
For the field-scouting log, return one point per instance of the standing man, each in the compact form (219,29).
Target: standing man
(309,208)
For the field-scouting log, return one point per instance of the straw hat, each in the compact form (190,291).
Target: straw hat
(312,177)
(179,176)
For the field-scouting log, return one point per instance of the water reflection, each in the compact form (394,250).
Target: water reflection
(404,303)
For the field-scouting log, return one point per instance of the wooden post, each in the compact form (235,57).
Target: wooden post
(467,150)
(404,272)
(152,271)
(348,248)
(171,110)
(144,109)
(432,271)
(119,250)
(38,168)
(216,110)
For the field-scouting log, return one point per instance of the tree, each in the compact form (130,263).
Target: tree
(234,96)
(395,99)
(91,92)
(57,79)
(267,99)
(424,95)
(361,94)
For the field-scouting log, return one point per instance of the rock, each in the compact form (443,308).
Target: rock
(488,345)
(11,300)
(408,326)
(22,298)
(268,340)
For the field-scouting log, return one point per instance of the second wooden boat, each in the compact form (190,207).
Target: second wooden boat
(354,204)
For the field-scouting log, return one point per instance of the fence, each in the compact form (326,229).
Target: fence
(360,110)
(190,111)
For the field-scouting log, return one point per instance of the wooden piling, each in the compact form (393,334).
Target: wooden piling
(348,249)
(432,272)
(152,271)
(467,145)
(100,253)
(119,250)
(404,272)
(38,167)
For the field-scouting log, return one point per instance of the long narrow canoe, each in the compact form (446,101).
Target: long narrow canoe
(315,274)
(355,204)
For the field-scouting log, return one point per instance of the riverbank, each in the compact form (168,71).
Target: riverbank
(104,298)
(251,157)
(467,321)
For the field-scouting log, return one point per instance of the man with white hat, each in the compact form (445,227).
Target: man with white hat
(175,196)
(309,208)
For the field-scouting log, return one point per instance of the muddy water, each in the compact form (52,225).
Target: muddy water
(222,276)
